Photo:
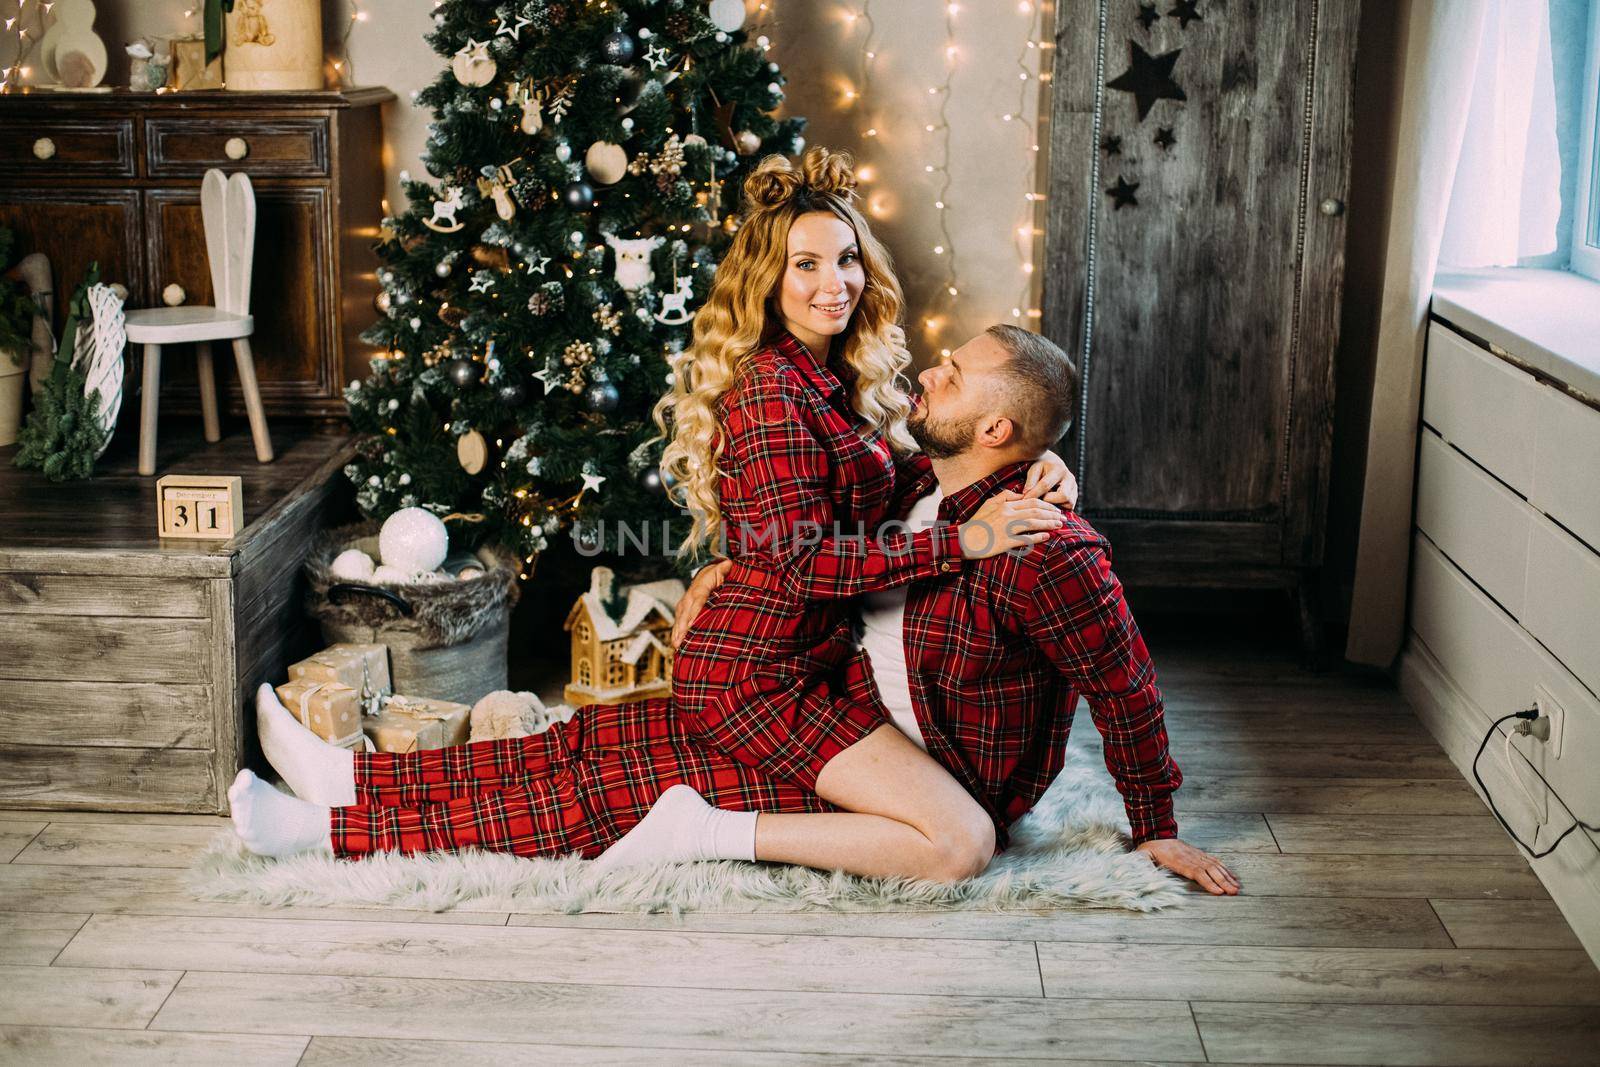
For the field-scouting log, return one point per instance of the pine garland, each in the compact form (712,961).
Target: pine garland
(63,435)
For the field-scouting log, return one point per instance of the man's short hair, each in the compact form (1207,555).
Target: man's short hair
(1041,385)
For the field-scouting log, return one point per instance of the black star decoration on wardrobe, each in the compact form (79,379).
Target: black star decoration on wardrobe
(1112,146)
(1148,15)
(1185,12)
(1149,78)
(1122,194)
(1164,139)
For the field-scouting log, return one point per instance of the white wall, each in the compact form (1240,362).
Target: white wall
(822,54)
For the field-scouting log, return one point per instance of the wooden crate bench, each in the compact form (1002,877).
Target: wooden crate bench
(127,663)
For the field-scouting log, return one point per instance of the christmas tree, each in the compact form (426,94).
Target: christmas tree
(585,158)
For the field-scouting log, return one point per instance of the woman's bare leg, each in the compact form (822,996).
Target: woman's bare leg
(908,817)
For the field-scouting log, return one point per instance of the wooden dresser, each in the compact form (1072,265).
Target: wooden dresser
(115,177)
(1505,593)
(128,664)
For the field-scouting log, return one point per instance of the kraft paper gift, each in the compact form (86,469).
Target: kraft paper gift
(455,720)
(364,668)
(328,709)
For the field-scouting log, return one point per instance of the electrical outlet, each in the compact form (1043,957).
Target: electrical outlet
(1550,708)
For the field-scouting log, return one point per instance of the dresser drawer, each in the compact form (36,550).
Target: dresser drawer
(1475,521)
(1501,669)
(1483,405)
(191,145)
(59,147)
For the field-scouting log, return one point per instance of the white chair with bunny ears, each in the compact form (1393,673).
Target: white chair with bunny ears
(228,209)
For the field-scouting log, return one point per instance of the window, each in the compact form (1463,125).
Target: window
(1586,213)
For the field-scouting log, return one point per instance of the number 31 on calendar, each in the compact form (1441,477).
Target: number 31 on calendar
(200,506)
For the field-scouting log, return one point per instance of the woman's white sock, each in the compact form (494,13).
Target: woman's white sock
(681,827)
(316,771)
(271,823)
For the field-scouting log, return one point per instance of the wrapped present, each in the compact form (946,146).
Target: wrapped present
(455,720)
(393,731)
(328,709)
(364,668)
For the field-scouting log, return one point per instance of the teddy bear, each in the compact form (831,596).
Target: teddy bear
(504,714)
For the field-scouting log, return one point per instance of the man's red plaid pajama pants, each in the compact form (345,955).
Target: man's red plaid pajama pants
(576,788)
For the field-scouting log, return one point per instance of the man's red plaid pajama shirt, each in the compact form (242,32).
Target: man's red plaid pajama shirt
(576,788)
(998,654)
(805,485)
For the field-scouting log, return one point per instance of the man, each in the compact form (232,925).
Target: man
(983,666)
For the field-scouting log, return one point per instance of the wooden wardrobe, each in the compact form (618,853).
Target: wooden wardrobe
(1199,158)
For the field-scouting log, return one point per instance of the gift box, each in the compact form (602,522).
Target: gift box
(454,721)
(391,731)
(364,668)
(328,709)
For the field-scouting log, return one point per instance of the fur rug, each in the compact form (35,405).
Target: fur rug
(1066,852)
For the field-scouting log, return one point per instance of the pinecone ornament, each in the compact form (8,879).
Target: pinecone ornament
(540,303)
(680,24)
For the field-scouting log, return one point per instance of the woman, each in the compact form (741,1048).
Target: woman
(786,419)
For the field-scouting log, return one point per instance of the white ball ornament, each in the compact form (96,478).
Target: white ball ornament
(727,15)
(353,565)
(563,151)
(412,540)
(386,575)
(627,124)
(607,162)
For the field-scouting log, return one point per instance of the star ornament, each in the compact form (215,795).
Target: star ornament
(549,383)
(513,30)
(537,267)
(1122,194)
(1112,146)
(656,56)
(481,282)
(1148,15)
(1165,138)
(592,481)
(1149,78)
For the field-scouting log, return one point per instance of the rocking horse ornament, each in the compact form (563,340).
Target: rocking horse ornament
(444,211)
(673,310)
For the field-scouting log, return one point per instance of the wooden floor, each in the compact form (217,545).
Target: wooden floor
(1385,918)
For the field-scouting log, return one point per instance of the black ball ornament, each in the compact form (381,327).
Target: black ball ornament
(602,397)
(463,372)
(618,48)
(511,393)
(579,196)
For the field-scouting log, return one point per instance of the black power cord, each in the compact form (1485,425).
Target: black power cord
(1531,713)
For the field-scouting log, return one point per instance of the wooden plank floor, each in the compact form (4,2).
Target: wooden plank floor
(1385,918)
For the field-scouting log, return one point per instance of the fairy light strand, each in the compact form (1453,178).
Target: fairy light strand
(11,77)
(344,67)
(941,128)
(1028,231)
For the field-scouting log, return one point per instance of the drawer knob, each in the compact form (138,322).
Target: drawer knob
(1331,207)
(236,148)
(44,148)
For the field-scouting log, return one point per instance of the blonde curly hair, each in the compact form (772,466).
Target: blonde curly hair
(740,316)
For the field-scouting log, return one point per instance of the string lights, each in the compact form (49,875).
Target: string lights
(1032,79)
(344,70)
(1028,231)
(11,77)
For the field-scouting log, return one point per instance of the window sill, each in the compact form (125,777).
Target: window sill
(1547,319)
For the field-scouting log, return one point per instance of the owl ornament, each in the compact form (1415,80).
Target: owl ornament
(633,270)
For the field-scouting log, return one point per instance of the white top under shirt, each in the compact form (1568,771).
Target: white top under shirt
(883,616)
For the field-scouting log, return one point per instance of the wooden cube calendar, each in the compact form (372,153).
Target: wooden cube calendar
(209,507)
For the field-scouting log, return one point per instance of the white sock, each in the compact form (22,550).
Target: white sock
(271,823)
(316,771)
(681,827)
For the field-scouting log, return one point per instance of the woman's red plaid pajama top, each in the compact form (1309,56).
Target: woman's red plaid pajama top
(576,788)
(805,487)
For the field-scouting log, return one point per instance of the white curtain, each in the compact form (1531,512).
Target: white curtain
(1505,204)
(1443,43)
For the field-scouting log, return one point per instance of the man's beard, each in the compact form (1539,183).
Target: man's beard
(942,440)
